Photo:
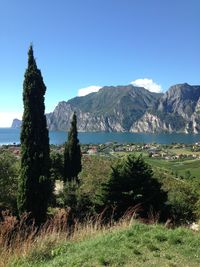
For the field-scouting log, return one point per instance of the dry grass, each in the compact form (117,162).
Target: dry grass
(19,239)
(96,225)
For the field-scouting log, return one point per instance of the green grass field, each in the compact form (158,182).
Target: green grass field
(184,151)
(180,166)
(138,245)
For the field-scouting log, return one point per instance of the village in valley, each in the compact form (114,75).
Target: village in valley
(167,152)
(114,149)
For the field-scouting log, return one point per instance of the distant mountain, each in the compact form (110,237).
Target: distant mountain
(109,109)
(133,109)
(178,110)
(16,123)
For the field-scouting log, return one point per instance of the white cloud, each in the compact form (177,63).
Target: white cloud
(148,84)
(6,118)
(88,90)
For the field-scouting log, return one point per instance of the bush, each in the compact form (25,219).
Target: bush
(132,184)
(9,168)
(183,196)
(182,200)
(95,172)
(76,201)
(57,165)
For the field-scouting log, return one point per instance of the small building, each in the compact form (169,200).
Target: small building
(92,151)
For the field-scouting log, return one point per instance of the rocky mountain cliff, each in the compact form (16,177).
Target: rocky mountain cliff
(134,109)
(178,110)
(110,109)
(16,123)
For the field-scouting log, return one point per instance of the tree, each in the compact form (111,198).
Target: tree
(9,168)
(72,153)
(35,186)
(56,166)
(75,200)
(132,183)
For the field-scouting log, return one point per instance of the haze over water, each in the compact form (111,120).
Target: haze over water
(10,136)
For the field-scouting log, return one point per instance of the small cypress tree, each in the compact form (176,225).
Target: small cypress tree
(72,153)
(35,187)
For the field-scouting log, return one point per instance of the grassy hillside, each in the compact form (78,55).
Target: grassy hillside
(179,166)
(135,245)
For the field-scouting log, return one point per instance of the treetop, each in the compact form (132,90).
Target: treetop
(31,59)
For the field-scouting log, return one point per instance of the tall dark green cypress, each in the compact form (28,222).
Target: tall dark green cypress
(72,153)
(35,187)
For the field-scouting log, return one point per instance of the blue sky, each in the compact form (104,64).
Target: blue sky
(82,43)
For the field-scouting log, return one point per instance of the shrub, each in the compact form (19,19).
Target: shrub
(73,199)
(182,200)
(131,184)
(57,165)
(9,168)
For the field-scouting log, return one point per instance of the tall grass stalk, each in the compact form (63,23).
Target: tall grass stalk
(19,238)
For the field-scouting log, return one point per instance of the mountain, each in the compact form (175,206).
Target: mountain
(133,109)
(16,123)
(178,110)
(109,109)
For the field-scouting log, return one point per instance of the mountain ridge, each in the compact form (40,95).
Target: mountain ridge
(131,109)
(109,109)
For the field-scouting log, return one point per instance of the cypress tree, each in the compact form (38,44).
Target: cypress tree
(35,187)
(72,153)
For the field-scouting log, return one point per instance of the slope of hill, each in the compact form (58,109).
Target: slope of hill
(136,245)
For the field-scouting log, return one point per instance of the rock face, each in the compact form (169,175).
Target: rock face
(133,109)
(16,123)
(110,109)
(178,110)
(150,123)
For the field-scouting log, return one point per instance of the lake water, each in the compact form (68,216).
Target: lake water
(10,136)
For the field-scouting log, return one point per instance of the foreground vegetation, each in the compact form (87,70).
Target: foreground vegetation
(128,243)
(73,240)
(86,197)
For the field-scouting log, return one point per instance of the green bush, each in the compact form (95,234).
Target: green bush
(132,184)
(9,168)
(57,165)
(95,173)
(73,199)
(183,196)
